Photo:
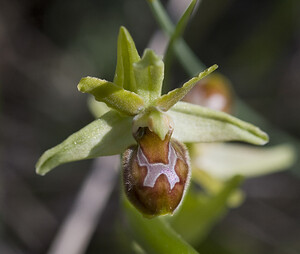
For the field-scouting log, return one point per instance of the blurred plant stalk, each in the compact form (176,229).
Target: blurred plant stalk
(75,233)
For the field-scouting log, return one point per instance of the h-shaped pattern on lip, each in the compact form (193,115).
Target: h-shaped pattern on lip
(154,170)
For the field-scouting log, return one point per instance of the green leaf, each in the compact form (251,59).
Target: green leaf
(137,249)
(149,75)
(108,135)
(181,25)
(225,160)
(199,213)
(179,29)
(168,100)
(126,56)
(212,186)
(114,96)
(185,55)
(194,124)
(161,16)
(155,235)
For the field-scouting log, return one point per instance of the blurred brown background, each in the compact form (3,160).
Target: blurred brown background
(47,46)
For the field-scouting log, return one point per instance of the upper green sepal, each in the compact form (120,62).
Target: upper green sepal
(127,55)
(168,100)
(114,96)
(149,75)
(108,135)
(193,124)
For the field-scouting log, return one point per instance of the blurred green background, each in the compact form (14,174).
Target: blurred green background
(47,46)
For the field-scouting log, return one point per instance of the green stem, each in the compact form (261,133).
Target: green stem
(177,33)
(155,235)
(185,55)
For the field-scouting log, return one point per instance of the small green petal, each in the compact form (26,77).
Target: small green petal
(149,75)
(108,135)
(114,96)
(168,100)
(126,56)
(194,124)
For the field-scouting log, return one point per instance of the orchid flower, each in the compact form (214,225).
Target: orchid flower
(148,128)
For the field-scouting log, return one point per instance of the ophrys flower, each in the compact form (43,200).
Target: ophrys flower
(156,124)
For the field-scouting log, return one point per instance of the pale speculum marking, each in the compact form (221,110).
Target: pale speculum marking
(154,170)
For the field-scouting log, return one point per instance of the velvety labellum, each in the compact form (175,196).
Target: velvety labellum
(154,170)
(156,174)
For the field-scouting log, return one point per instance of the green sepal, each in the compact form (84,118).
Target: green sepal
(194,124)
(168,100)
(108,135)
(126,56)
(149,75)
(114,96)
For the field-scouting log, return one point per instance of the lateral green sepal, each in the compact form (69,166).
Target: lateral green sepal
(108,135)
(114,96)
(194,124)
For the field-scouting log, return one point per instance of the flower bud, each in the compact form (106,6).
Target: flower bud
(156,173)
(212,92)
